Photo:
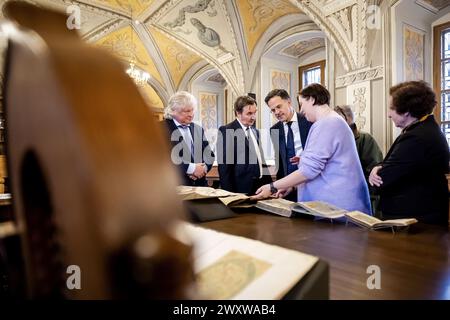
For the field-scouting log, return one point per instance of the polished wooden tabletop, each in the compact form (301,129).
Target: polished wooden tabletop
(413,264)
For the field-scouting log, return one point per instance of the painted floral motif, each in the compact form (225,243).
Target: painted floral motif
(413,55)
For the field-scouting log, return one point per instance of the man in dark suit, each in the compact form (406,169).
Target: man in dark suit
(241,163)
(190,152)
(288,134)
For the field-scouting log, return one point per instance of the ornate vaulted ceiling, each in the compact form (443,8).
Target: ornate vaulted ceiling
(126,7)
(176,57)
(258,15)
(174,39)
(300,48)
(436,4)
(126,45)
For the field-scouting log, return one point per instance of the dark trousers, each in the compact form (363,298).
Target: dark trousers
(259,182)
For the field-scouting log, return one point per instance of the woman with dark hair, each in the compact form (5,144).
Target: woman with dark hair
(411,179)
(329,168)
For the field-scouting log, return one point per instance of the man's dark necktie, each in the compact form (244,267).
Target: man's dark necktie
(290,149)
(188,139)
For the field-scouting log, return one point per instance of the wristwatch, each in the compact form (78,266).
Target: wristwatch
(272,188)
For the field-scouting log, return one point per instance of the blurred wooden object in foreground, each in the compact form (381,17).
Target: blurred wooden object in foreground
(93,189)
(3,173)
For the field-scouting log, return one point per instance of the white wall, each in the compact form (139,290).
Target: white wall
(407,12)
(317,55)
(443,19)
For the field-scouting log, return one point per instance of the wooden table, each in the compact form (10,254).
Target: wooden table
(414,264)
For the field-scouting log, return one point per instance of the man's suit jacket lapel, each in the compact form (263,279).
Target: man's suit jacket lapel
(171,125)
(237,130)
(197,140)
(186,158)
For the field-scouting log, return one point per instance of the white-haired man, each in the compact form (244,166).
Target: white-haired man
(190,152)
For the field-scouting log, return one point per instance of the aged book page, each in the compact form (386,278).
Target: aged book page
(232,267)
(279,206)
(193,193)
(372,222)
(319,209)
(229,275)
(237,200)
(7,229)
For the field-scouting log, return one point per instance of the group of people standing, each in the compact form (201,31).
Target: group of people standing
(320,153)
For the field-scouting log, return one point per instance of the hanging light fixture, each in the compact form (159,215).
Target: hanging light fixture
(139,76)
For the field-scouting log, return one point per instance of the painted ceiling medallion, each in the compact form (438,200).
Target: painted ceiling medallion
(301,48)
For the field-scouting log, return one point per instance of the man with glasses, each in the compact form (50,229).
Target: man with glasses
(292,129)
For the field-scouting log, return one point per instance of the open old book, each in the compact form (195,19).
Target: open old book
(232,267)
(367,221)
(238,200)
(195,193)
(230,199)
(319,209)
(279,206)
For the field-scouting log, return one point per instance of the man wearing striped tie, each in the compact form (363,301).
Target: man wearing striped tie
(190,151)
(240,158)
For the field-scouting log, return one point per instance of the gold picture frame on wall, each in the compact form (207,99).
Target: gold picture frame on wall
(413,53)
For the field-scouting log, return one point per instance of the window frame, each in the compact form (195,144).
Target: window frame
(437,65)
(302,69)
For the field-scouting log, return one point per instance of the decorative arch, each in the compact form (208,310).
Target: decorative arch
(193,73)
(344,24)
(270,37)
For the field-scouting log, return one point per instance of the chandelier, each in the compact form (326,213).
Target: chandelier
(139,77)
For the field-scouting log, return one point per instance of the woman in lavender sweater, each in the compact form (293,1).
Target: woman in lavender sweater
(329,169)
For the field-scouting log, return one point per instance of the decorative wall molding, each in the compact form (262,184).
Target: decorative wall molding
(200,6)
(366,74)
(218,46)
(344,23)
(104,29)
(330,6)
(160,13)
(358,96)
(103,11)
